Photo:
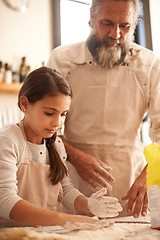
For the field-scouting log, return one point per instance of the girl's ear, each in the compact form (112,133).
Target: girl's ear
(24,103)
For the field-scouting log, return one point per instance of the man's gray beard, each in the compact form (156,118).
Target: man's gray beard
(105,55)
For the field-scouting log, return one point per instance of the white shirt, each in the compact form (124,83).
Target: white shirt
(12,155)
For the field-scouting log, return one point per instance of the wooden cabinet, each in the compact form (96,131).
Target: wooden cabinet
(12,88)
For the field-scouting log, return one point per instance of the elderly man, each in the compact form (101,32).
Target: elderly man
(114,82)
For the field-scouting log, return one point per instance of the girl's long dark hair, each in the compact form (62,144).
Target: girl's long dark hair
(38,84)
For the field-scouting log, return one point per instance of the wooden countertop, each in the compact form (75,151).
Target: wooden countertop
(127,228)
(119,231)
(12,88)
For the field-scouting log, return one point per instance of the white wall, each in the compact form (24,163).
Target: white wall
(155,28)
(26,34)
(29,34)
(9,111)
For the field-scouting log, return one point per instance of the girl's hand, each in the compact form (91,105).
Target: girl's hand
(103,206)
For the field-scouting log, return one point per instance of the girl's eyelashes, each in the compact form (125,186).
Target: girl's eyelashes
(48,113)
(64,114)
(52,113)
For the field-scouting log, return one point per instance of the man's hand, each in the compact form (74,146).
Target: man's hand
(92,170)
(138,195)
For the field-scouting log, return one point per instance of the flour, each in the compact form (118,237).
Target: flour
(87,226)
(29,234)
(103,206)
(118,231)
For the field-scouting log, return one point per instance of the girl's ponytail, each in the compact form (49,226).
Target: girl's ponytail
(57,168)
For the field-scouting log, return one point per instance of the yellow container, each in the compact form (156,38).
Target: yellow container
(152,155)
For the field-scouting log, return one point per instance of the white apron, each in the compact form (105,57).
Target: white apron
(34,184)
(106,124)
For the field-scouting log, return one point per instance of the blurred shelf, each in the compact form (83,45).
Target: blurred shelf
(12,88)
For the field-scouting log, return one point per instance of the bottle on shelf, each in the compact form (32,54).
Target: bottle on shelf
(15,74)
(7,74)
(1,72)
(23,69)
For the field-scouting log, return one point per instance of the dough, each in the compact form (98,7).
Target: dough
(28,234)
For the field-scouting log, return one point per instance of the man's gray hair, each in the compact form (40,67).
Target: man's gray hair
(96,4)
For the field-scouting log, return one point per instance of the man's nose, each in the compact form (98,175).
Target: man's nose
(115,33)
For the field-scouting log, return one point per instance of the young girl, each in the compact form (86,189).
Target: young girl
(33,175)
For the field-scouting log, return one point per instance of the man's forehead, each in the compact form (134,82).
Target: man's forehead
(122,11)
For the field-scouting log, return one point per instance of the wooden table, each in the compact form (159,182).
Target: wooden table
(123,229)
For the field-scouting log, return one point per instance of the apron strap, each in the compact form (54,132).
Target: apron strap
(26,157)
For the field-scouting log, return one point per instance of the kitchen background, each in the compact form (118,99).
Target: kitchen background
(29,36)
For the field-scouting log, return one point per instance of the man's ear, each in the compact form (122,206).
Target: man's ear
(92,18)
(24,103)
